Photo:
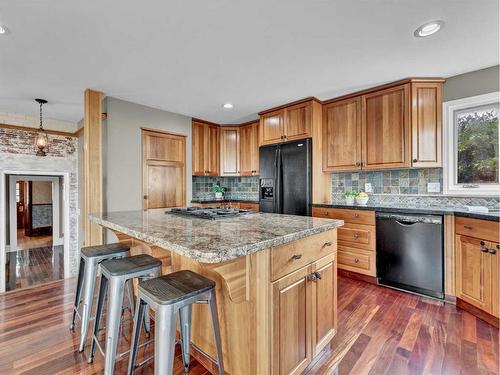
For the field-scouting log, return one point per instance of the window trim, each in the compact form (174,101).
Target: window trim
(449,170)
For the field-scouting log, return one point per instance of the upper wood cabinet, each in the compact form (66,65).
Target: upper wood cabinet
(426,99)
(229,151)
(249,149)
(205,149)
(342,127)
(396,126)
(385,128)
(287,124)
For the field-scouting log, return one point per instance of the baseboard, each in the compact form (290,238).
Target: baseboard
(357,276)
(483,315)
(450,299)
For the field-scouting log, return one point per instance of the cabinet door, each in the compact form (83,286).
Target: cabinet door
(495,277)
(230,151)
(342,135)
(298,119)
(254,147)
(211,153)
(426,124)
(246,152)
(198,149)
(324,309)
(385,132)
(291,322)
(473,272)
(271,127)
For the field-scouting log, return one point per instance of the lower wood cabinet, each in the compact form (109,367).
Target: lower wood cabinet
(304,317)
(477,273)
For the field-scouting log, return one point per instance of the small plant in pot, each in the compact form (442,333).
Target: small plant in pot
(219,191)
(349,197)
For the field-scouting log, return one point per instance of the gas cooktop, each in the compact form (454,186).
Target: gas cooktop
(210,212)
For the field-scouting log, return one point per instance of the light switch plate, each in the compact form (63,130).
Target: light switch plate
(368,188)
(433,187)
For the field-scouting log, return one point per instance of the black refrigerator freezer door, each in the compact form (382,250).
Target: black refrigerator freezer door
(296,192)
(267,172)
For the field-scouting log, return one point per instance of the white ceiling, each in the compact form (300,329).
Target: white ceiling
(191,56)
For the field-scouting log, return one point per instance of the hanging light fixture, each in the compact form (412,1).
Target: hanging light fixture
(41,139)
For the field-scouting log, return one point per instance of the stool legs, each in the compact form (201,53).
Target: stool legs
(88,296)
(113,318)
(97,323)
(131,297)
(215,324)
(78,293)
(185,314)
(165,325)
(140,308)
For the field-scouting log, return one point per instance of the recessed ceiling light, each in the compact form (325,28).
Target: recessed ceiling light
(3,29)
(428,28)
(227,105)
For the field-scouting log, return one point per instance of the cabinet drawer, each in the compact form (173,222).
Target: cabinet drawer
(250,206)
(290,257)
(482,229)
(348,215)
(356,260)
(357,235)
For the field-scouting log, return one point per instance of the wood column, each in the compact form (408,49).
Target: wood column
(92,165)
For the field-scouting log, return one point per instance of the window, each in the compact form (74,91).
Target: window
(471,145)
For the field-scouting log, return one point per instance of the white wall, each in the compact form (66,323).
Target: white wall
(20,119)
(122,167)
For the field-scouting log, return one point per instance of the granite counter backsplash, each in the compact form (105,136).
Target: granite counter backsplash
(237,188)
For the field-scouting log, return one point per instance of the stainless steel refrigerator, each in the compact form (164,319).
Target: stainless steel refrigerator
(285,178)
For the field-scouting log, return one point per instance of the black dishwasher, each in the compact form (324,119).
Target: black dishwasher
(410,253)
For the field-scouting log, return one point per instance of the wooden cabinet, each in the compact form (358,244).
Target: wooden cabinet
(205,149)
(229,151)
(304,316)
(342,135)
(477,264)
(394,126)
(385,128)
(249,149)
(426,125)
(287,124)
(249,206)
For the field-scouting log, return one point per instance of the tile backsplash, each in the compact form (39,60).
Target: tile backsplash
(403,181)
(245,188)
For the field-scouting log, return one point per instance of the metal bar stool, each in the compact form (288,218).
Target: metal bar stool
(90,258)
(118,272)
(168,295)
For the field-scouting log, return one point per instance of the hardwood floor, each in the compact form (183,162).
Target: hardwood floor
(27,268)
(381,331)
(25,242)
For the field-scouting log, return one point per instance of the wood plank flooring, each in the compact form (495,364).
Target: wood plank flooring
(27,268)
(25,242)
(381,331)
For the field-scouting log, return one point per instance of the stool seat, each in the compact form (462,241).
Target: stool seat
(176,286)
(124,266)
(103,250)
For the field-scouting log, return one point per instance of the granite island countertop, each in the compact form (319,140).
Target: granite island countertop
(213,241)
(416,209)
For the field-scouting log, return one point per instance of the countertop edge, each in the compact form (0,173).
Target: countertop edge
(422,210)
(214,258)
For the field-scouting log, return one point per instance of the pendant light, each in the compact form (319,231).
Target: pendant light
(41,139)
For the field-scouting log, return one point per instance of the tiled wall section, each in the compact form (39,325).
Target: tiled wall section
(246,188)
(404,181)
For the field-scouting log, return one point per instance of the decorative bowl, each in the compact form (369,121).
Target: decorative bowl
(362,200)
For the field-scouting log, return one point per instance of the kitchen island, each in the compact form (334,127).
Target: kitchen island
(275,275)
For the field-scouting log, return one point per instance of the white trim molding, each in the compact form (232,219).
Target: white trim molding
(450,187)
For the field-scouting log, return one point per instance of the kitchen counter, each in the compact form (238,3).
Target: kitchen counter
(214,241)
(412,209)
(268,270)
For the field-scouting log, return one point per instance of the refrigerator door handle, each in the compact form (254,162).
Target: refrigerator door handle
(275,181)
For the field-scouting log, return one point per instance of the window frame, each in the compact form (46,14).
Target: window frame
(450,187)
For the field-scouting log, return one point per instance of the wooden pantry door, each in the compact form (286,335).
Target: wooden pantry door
(163,169)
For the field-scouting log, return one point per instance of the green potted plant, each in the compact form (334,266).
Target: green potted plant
(219,191)
(349,197)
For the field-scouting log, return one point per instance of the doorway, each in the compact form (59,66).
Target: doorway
(35,251)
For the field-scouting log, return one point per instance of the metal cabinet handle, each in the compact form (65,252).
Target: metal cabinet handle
(356,215)
(356,260)
(356,236)
(328,243)
(468,227)
(483,248)
(297,256)
(492,251)
(415,160)
(318,275)
(312,277)
(498,247)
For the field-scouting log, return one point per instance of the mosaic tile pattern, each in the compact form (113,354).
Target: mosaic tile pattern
(403,181)
(240,188)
